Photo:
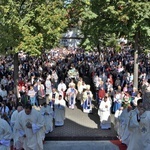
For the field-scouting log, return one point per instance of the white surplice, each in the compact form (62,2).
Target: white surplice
(61,88)
(104,113)
(124,131)
(59,112)
(34,136)
(134,128)
(48,118)
(17,140)
(71,97)
(5,135)
(48,86)
(117,121)
(87,101)
(145,130)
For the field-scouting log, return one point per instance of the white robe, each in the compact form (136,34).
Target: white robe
(5,135)
(50,100)
(87,101)
(104,113)
(61,88)
(48,86)
(134,128)
(145,130)
(34,136)
(59,112)
(71,93)
(117,121)
(124,131)
(17,140)
(47,118)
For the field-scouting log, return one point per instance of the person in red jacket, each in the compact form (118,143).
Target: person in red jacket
(101,94)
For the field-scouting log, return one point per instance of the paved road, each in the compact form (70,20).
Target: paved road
(81,126)
(80,145)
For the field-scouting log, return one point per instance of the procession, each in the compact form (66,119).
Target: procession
(56,81)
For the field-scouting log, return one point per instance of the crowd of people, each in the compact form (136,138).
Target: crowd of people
(60,78)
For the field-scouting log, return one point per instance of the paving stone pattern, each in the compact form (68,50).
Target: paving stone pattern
(81,126)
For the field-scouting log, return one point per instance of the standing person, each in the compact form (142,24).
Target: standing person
(117,101)
(124,120)
(117,120)
(71,93)
(4,109)
(30,123)
(62,88)
(134,127)
(48,85)
(41,93)
(80,89)
(54,78)
(17,143)
(59,111)
(104,113)
(32,95)
(52,97)
(5,135)
(87,100)
(101,94)
(145,129)
(47,112)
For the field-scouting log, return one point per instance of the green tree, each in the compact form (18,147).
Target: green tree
(129,18)
(30,26)
(79,12)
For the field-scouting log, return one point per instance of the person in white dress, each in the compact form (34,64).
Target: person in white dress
(62,88)
(59,111)
(48,85)
(30,124)
(104,113)
(135,142)
(48,114)
(80,89)
(124,120)
(5,135)
(145,129)
(17,142)
(52,97)
(117,120)
(4,110)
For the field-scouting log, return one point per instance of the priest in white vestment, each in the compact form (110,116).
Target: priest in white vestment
(5,135)
(30,124)
(134,127)
(17,142)
(104,113)
(59,111)
(80,89)
(48,85)
(71,95)
(52,97)
(87,100)
(117,120)
(145,130)
(62,88)
(48,114)
(124,120)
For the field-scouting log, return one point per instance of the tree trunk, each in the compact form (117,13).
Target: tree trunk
(98,48)
(135,82)
(16,70)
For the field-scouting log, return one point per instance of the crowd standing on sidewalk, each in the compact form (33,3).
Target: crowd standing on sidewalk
(60,79)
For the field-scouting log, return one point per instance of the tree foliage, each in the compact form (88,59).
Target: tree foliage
(122,17)
(30,25)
